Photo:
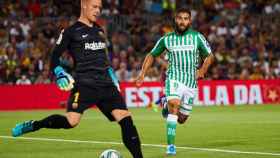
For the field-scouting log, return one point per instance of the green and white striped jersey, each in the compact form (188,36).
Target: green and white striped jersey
(183,52)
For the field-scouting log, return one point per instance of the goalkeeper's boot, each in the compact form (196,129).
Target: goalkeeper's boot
(171,150)
(22,128)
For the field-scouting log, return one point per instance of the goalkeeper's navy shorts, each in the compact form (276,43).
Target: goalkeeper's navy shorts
(106,98)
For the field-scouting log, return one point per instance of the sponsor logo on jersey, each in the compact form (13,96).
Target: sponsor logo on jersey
(181,48)
(95,46)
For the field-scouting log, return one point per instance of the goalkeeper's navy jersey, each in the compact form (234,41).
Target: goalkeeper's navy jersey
(87,46)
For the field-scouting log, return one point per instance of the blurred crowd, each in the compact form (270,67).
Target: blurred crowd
(244,36)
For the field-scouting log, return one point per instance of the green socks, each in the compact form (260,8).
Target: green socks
(171,128)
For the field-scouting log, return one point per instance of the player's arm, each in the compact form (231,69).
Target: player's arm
(110,69)
(149,59)
(206,53)
(64,80)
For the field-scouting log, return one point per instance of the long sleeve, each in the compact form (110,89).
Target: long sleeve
(61,46)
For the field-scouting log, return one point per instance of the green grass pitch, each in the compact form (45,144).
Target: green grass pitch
(231,130)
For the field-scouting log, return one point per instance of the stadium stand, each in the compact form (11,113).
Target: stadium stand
(244,36)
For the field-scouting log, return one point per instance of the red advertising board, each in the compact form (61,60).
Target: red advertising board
(141,96)
(239,92)
(226,92)
(25,97)
(210,93)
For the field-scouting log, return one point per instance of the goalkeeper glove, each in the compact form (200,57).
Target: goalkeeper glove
(63,80)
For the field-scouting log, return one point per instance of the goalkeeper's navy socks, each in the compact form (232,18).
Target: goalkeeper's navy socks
(53,121)
(130,137)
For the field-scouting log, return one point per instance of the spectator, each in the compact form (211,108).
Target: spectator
(34,8)
(257,73)
(43,78)
(31,74)
(152,75)
(123,74)
(244,75)
(25,27)
(134,74)
(23,80)
(244,35)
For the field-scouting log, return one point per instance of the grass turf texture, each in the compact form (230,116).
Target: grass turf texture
(240,128)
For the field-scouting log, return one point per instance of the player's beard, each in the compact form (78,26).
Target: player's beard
(179,30)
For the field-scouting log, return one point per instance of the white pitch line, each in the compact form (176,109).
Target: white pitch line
(148,145)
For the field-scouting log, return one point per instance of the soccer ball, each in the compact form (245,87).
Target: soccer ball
(110,153)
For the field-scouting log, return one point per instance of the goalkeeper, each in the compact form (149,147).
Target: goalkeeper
(94,82)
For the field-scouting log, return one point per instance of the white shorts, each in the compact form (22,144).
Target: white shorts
(177,90)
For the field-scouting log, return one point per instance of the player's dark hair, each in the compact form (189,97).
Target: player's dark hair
(178,11)
(183,10)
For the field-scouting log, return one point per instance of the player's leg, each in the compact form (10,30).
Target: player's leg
(171,124)
(163,103)
(187,103)
(69,120)
(173,95)
(130,135)
(56,121)
(182,118)
(184,112)
(114,108)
